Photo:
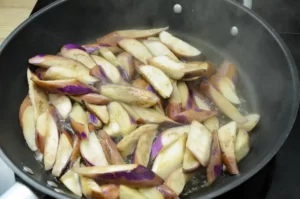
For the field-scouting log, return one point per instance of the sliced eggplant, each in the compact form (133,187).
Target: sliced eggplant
(91,98)
(112,129)
(227,138)
(114,155)
(67,87)
(174,69)
(93,122)
(222,103)
(90,188)
(242,145)
(40,72)
(132,175)
(62,104)
(109,56)
(200,101)
(114,37)
(110,191)
(127,192)
(136,48)
(178,46)
(76,52)
(253,119)
(108,69)
(129,94)
(151,193)
(174,106)
(72,181)
(158,79)
(133,113)
(143,148)
(212,124)
(199,142)
(157,48)
(118,114)
(167,192)
(127,145)
(214,167)
(100,112)
(51,143)
(79,121)
(41,131)
(199,66)
(168,137)
(126,62)
(177,180)
(92,151)
(28,123)
(190,163)
(64,153)
(228,69)
(185,95)
(226,87)
(170,158)
(38,97)
(76,150)
(199,115)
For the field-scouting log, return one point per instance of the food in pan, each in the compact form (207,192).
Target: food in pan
(134,115)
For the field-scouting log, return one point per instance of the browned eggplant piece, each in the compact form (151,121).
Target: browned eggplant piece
(100,112)
(127,145)
(132,175)
(190,163)
(62,104)
(126,62)
(28,123)
(228,69)
(109,56)
(157,48)
(177,180)
(151,193)
(41,131)
(212,124)
(114,37)
(40,72)
(174,106)
(185,95)
(91,98)
(214,167)
(207,67)
(66,87)
(227,138)
(90,189)
(167,192)
(242,145)
(199,115)
(114,155)
(129,94)
(253,119)
(127,192)
(79,121)
(93,122)
(143,148)
(199,142)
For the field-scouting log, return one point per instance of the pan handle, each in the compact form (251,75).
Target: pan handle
(247,3)
(19,190)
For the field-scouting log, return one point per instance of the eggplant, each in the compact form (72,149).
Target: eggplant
(127,145)
(185,95)
(228,69)
(253,119)
(129,94)
(118,114)
(38,98)
(79,121)
(196,114)
(227,138)
(178,46)
(76,52)
(199,142)
(90,188)
(110,191)
(151,193)
(158,79)
(28,123)
(132,175)
(167,137)
(214,167)
(212,124)
(174,106)
(100,112)
(242,145)
(222,103)
(114,155)
(190,163)
(93,122)
(167,192)
(136,48)
(109,56)
(127,192)
(143,148)
(177,180)
(202,69)
(114,37)
(62,104)
(157,48)
(92,151)
(170,158)
(51,143)
(113,129)
(126,62)
(72,181)
(41,131)
(91,98)
(171,68)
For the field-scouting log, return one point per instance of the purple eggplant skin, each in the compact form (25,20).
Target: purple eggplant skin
(135,176)
(214,168)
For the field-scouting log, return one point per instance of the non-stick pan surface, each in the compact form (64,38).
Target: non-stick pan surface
(268,76)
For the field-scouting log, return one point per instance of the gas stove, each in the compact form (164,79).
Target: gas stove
(279,178)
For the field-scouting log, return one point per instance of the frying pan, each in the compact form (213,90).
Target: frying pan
(267,73)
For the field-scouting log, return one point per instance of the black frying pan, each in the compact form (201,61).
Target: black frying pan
(267,72)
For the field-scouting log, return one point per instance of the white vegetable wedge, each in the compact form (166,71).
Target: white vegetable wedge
(127,192)
(190,163)
(157,48)
(109,56)
(178,46)
(62,104)
(136,48)
(199,142)
(151,193)
(177,180)
(79,121)
(253,119)
(212,124)
(242,145)
(41,131)
(127,63)
(99,111)
(158,79)
(227,138)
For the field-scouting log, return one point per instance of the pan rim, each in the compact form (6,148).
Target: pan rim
(295,105)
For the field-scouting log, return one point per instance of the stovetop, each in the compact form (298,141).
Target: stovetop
(280,177)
